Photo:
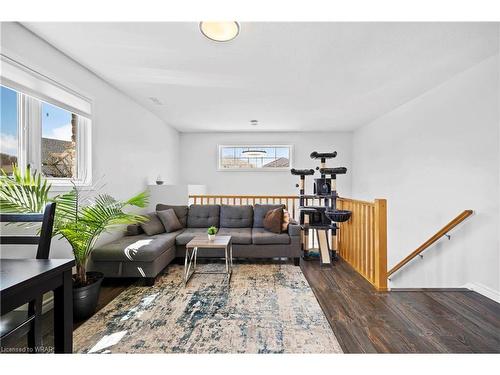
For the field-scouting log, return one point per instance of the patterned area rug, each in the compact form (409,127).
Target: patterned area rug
(267,308)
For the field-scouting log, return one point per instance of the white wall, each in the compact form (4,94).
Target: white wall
(432,158)
(130,145)
(199,161)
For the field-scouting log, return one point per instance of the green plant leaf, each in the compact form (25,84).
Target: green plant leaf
(81,225)
(23,192)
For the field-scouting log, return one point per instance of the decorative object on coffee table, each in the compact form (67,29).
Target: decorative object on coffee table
(212,231)
(192,247)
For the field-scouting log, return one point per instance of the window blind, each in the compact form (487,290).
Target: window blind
(21,78)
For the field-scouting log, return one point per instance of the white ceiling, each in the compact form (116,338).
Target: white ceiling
(289,76)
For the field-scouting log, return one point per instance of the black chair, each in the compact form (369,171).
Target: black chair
(16,322)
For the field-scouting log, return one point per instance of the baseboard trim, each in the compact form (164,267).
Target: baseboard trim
(484,290)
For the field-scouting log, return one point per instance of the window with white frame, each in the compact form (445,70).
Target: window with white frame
(254,157)
(49,130)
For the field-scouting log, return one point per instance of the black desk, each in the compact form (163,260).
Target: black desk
(21,280)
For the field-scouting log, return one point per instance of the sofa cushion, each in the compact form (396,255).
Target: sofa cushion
(261,236)
(188,234)
(203,215)
(169,220)
(239,236)
(153,225)
(236,216)
(180,211)
(142,248)
(260,210)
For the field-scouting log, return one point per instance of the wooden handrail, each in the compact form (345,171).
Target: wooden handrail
(443,231)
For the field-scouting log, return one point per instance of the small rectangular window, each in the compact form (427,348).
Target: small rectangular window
(254,157)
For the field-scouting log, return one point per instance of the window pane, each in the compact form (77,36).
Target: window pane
(58,147)
(270,157)
(281,158)
(283,152)
(8,121)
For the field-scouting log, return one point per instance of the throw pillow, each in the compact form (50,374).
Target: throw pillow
(286,221)
(153,225)
(134,230)
(273,220)
(169,220)
(180,211)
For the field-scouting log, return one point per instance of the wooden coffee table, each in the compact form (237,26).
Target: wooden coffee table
(202,242)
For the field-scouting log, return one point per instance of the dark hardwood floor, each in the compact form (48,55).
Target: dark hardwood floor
(110,289)
(366,321)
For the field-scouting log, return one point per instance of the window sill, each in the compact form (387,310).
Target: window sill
(64,186)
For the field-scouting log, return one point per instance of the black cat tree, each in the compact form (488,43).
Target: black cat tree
(324,217)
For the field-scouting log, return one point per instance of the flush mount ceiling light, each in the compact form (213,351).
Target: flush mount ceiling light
(254,122)
(220,31)
(254,153)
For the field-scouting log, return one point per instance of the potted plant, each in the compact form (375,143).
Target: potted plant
(79,219)
(211,233)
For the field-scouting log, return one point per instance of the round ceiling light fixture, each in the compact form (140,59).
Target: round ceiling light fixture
(254,122)
(220,31)
(254,153)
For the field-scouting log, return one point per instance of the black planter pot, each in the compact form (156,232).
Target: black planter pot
(85,298)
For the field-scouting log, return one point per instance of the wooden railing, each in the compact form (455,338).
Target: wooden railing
(362,240)
(291,202)
(442,232)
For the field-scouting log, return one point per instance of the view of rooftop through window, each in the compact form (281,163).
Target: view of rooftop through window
(254,156)
(58,142)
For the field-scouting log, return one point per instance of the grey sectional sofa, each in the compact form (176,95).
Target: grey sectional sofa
(140,255)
